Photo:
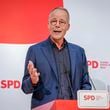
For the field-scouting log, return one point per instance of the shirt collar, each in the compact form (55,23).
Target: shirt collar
(54,45)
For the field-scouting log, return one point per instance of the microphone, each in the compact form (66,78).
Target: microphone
(70,85)
(92,83)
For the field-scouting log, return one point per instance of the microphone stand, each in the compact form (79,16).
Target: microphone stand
(92,80)
(92,83)
(68,78)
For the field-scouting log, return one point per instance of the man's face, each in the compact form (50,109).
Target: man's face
(58,24)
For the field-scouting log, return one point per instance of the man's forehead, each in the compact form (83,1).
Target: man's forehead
(60,12)
(57,10)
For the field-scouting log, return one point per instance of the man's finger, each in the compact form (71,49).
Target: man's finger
(30,67)
(30,64)
(35,73)
(38,74)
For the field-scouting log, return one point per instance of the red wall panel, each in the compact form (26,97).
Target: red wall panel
(25,21)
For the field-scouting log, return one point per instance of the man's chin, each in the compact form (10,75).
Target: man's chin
(57,38)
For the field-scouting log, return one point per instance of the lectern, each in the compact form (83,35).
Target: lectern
(62,105)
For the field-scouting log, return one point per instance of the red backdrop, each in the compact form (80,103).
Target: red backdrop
(25,21)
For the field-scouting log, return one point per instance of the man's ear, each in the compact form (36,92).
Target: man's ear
(48,25)
(68,26)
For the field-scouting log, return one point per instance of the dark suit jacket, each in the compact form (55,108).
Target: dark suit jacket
(46,90)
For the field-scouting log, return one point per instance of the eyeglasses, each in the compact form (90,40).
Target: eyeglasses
(54,22)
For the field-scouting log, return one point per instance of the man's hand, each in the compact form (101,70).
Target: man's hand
(33,73)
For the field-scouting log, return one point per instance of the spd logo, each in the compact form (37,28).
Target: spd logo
(7,84)
(94,64)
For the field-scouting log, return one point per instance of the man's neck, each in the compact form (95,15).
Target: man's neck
(58,42)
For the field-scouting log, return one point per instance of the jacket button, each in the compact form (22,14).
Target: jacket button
(56,87)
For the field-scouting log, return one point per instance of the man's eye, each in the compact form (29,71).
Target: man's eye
(53,22)
(62,22)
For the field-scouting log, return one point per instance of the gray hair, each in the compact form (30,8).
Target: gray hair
(61,8)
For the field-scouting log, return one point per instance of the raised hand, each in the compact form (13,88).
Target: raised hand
(34,75)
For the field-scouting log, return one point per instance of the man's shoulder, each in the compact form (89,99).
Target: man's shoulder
(39,44)
(75,46)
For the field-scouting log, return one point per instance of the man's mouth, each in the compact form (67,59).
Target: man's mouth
(56,31)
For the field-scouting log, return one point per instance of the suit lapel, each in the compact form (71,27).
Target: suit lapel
(47,50)
(72,60)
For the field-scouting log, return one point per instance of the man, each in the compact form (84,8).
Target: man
(54,68)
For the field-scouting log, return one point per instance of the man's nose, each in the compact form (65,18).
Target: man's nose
(58,23)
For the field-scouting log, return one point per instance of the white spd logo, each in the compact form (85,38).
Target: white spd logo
(93,99)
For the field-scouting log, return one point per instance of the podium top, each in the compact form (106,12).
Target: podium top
(62,105)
